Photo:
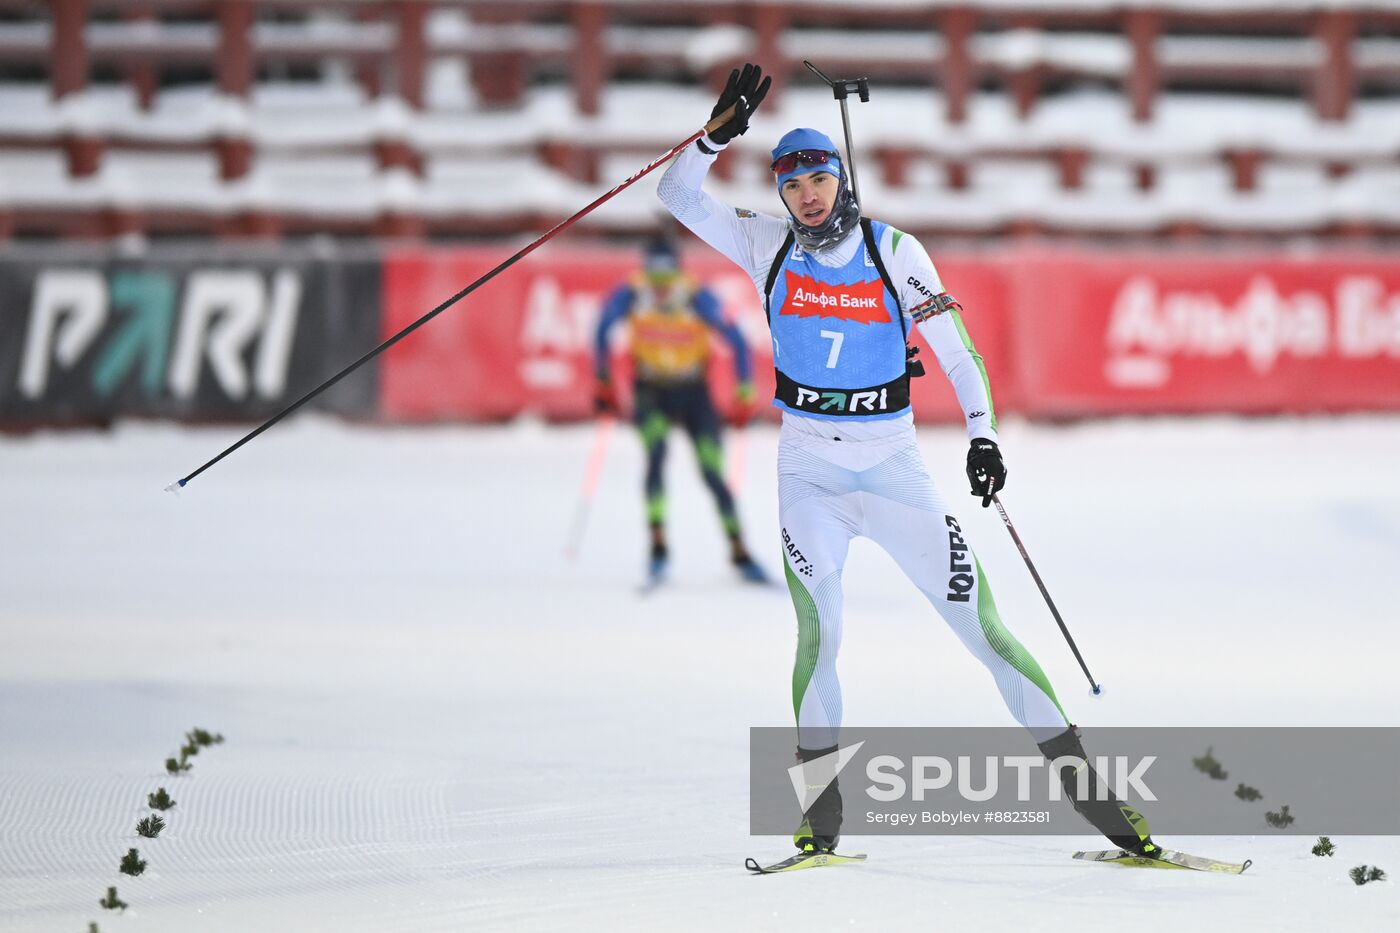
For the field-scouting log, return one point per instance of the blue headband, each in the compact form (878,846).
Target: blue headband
(807,138)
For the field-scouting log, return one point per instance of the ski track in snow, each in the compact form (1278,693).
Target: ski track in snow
(436,722)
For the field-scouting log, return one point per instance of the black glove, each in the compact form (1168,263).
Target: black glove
(985,470)
(745,92)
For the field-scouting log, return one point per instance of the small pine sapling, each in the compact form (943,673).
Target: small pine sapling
(160,800)
(203,737)
(1323,846)
(180,766)
(151,826)
(1279,818)
(1207,764)
(132,863)
(1245,792)
(111,901)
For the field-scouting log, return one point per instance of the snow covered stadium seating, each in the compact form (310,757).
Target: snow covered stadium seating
(410,117)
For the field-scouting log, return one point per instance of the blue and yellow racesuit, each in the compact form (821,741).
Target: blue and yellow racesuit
(670,319)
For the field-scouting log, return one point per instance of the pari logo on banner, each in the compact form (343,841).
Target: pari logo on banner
(1151,324)
(138,322)
(861,302)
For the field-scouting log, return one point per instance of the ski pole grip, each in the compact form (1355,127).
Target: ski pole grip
(723,118)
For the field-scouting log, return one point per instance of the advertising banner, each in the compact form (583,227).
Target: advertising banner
(211,335)
(1234,781)
(208,333)
(1099,334)
(524,341)
(1062,334)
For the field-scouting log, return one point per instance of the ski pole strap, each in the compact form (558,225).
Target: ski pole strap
(875,400)
(914,367)
(873,249)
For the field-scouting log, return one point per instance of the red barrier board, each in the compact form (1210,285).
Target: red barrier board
(523,342)
(1063,334)
(1109,335)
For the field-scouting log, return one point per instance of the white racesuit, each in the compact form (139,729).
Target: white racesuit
(840,476)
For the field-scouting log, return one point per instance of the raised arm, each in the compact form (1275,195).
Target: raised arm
(745,237)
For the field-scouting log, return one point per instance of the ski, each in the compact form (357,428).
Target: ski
(1168,858)
(802,860)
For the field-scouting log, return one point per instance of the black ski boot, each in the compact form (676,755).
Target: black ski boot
(743,561)
(659,558)
(749,569)
(821,824)
(657,563)
(1124,825)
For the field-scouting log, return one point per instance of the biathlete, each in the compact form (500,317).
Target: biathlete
(670,319)
(842,294)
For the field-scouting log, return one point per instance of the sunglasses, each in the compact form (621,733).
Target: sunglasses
(804,157)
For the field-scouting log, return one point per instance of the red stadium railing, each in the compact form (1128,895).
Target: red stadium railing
(1332,66)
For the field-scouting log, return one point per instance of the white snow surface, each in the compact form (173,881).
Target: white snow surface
(435,722)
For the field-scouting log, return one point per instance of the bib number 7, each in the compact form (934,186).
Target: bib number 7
(836,338)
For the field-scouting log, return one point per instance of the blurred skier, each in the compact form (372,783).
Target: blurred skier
(841,293)
(670,319)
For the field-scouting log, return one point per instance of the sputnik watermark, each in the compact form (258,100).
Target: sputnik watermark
(956,817)
(936,773)
(950,780)
(975,779)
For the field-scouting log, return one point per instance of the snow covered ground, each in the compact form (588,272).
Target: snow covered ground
(436,722)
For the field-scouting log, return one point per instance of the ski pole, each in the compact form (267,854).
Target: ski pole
(590,484)
(842,88)
(715,123)
(1095,687)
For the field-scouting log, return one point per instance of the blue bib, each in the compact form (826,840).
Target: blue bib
(838,338)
